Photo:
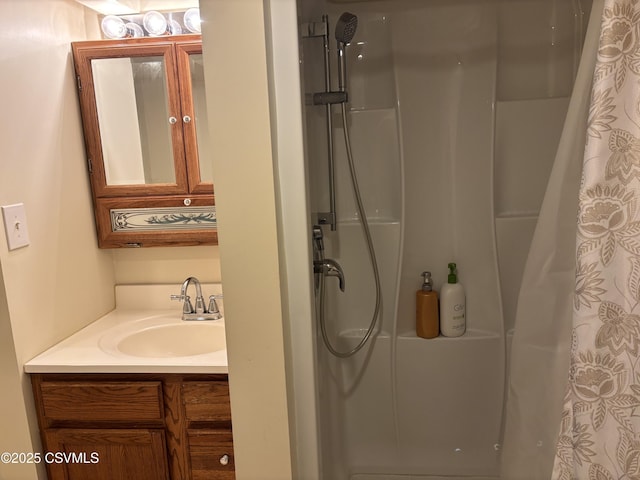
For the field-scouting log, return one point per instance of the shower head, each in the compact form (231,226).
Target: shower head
(345,31)
(346,27)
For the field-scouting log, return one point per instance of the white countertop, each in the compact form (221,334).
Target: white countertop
(94,348)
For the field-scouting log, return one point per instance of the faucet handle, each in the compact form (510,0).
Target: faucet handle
(187,307)
(213,306)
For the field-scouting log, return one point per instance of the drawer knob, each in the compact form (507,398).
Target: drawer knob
(224,460)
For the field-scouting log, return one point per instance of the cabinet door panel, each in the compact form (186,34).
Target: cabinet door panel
(107,454)
(211,454)
(198,150)
(130,111)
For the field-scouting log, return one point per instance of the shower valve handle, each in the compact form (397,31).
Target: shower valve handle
(329,268)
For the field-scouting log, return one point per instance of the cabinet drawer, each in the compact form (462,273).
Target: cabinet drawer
(206,401)
(102,401)
(211,455)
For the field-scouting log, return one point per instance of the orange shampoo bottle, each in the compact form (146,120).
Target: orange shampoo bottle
(427,322)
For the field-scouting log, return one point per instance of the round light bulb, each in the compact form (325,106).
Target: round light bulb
(174,27)
(134,30)
(154,23)
(113,27)
(191,20)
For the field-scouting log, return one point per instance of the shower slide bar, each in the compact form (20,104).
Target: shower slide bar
(327,98)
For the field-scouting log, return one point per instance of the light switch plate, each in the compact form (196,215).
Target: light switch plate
(15,225)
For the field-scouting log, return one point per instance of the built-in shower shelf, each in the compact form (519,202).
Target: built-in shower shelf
(372,221)
(364,110)
(524,214)
(360,332)
(532,99)
(470,334)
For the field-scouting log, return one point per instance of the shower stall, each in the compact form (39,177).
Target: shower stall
(454,113)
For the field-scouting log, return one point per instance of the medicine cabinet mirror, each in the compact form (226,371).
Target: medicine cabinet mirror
(145,127)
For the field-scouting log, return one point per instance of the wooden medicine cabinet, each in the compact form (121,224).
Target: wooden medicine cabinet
(145,128)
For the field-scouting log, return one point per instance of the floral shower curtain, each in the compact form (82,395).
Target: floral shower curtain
(600,426)
(540,350)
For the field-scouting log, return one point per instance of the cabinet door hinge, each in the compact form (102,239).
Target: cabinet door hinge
(89,165)
(79,82)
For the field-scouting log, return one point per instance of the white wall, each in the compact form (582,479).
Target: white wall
(239,120)
(62,281)
(294,227)
(166,264)
(13,421)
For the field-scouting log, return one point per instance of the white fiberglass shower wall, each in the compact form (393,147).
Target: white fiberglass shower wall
(455,111)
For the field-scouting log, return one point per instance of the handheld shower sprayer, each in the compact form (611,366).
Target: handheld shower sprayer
(345,31)
(346,27)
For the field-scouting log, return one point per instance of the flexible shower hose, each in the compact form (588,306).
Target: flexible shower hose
(372,256)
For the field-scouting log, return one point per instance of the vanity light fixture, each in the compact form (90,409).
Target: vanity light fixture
(154,23)
(192,20)
(134,30)
(113,27)
(174,27)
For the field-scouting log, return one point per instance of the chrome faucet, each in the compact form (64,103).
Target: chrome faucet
(200,312)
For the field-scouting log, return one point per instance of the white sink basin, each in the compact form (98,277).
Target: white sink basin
(174,340)
(163,337)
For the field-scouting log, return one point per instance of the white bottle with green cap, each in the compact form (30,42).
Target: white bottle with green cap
(453,311)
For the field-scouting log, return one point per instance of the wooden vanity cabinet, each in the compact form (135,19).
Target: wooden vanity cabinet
(143,111)
(142,426)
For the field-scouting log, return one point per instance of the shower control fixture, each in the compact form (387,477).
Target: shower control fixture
(344,33)
(324,266)
(329,268)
